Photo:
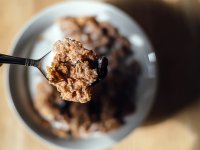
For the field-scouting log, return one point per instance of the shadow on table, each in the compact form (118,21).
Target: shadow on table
(175,36)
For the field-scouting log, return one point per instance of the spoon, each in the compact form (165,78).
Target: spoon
(46,60)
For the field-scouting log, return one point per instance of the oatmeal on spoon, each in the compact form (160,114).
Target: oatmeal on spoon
(70,67)
(74,69)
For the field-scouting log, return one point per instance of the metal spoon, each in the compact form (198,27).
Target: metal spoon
(41,63)
(46,60)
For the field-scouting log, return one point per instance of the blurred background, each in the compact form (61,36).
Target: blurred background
(173,26)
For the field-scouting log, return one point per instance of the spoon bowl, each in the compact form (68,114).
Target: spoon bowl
(45,61)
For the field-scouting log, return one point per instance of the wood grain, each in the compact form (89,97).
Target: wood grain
(180,131)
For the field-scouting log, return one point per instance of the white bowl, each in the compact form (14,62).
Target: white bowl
(22,82)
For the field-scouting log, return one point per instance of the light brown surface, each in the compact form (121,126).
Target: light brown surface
(178,132)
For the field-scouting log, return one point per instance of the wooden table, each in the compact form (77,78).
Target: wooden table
(173,27)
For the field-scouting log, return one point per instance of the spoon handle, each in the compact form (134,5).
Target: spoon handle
(17,60)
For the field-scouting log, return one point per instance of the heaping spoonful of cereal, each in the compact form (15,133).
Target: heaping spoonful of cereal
(71,68)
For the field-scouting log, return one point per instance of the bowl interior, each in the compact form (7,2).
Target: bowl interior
(22,81)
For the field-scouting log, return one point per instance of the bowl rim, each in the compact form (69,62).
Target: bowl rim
(24,29)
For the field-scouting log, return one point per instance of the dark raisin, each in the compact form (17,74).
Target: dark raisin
(102,67)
